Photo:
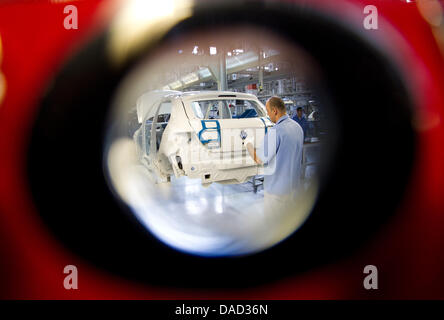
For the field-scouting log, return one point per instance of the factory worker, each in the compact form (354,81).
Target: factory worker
(301,119)
(281,155)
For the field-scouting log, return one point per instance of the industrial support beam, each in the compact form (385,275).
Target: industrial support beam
(222,84)
(261,72)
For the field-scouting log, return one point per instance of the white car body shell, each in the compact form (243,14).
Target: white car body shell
(213,150)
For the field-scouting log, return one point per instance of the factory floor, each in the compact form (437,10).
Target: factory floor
(215,220)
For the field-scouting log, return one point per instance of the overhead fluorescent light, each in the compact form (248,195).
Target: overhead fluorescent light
(204,73)
(190,78)
(175,85)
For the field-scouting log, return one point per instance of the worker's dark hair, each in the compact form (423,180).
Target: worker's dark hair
(277,103)
(299,108)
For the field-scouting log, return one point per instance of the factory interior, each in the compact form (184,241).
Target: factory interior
(219,219)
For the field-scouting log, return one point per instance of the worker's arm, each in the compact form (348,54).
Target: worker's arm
(253,154)
(267,150)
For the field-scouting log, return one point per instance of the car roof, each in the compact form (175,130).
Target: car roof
(203,95)
(149,99)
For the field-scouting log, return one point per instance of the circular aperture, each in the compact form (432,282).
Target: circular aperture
(176,149)
(83,141)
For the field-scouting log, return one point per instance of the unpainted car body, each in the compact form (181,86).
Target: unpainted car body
(201,135)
